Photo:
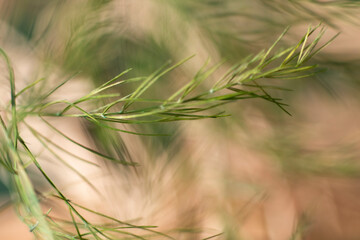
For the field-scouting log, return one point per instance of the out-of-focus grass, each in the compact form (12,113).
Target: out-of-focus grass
(251,176)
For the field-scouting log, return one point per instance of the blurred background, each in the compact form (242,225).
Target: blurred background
(256,175)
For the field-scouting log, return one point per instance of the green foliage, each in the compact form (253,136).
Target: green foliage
(95,46)
(189,102)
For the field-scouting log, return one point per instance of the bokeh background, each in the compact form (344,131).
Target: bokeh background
(256,175)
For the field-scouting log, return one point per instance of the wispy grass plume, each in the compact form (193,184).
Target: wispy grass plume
(104,108)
